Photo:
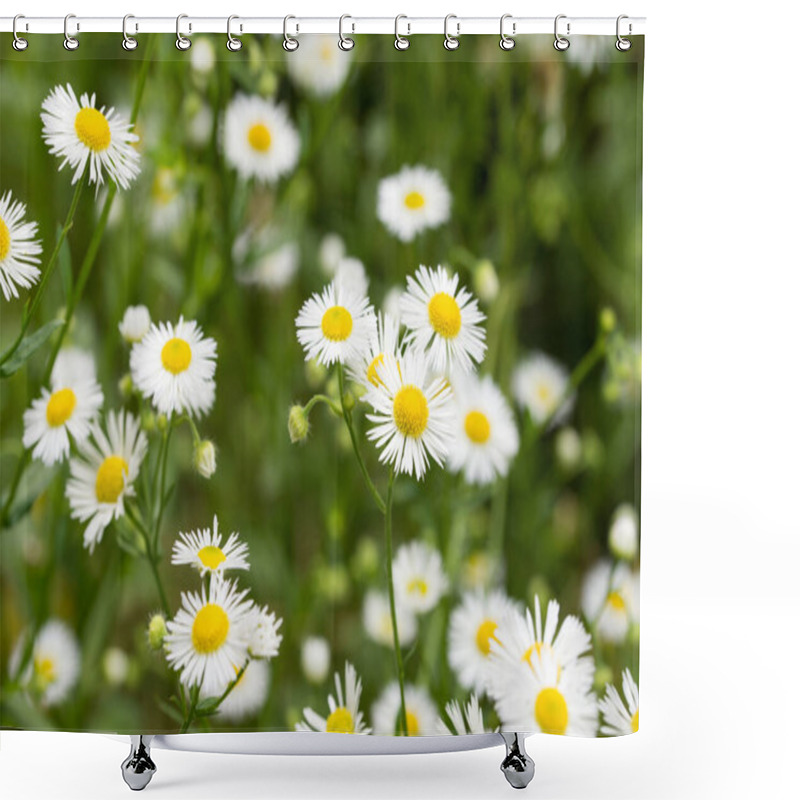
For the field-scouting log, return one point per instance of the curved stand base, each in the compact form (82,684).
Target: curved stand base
(517,766)
(138,768)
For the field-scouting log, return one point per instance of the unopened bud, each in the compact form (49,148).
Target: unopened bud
(298,424)
(156,631)
(205,458)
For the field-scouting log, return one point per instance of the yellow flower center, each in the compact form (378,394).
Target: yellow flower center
(110,479)
(44,671)
(5,239)
(211,556)
(337,324)
(414,200)
(410,412)
(417,586)
(210,628)
(259,137)
(176,355)
(326,52)
(444,315)
(616,601)
(484,636)
(545,395)
(477,427)
(164,191)
(92,129)
(551,711)
(60,407)
(340,721)
(635,721)
(412,723)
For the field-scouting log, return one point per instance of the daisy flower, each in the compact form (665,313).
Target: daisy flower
(248,695)
(462,718)
(175,365)
(419,579)
(203,550)
(66,410)
(385,338)
(19,251)
(315,658)
(443,320)
(412,414)
(541,385)
(421,715)
(378,620)
(259,139)
(55,662)
(485,437)
(275,269)
(335,326)
(102,476)
(265,641)
(610,599)
(621,718)
(623,536)
(544,698)
(473,630)
(414,199)
(343,713)
(135,324)
(320,66)
(79,132)
(208,639)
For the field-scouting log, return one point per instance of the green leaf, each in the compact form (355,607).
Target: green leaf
(28,346)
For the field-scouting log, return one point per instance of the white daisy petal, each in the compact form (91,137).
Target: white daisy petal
(419,579)
(621,717)
(19,250)
(203,550)
(541,385)
(414,199)
(344,715)
(610,599)
(135,323)
(463,719)
(421,716)
(319,65)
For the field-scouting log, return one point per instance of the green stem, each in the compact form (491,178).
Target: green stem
(161,490)
(21,465)
(390,576)
(322,398)
(151,558)
(348,419)
(33,304)
(190,716)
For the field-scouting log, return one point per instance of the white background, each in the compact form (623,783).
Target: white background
(720,597)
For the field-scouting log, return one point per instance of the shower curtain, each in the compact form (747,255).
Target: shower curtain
(320,386)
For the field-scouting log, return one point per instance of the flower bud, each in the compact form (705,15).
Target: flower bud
(623,536)
(115,666)
(205,458)
(298,424)
(162,420)
(156,631)
(315,658)
(608,320)
(487,284)
(125,386)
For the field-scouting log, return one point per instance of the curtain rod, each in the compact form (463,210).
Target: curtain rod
(406,26)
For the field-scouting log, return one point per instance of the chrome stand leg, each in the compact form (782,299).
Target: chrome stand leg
(517,766)
(138,768)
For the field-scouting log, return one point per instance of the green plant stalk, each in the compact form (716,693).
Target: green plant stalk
(151,559)
(195,692)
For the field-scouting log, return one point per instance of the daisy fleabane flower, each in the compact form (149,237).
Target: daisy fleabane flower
(377,617)
(103,474)
(19,250)
(248,695)
(610,599)
(203,550)
(55,662)
(207,641)
(412,414)
(384,339)
(485,437)
(421,716)
(443,321)
(412,200)
(265,641)
(335,326)
(79,132)
(135,324)
(319,66)
(621,718)
(174,365)
(63,411)
(541,385)
(463,719)
(259,139)
(344,715)
(419,579)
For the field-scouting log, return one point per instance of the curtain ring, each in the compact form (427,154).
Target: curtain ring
(19,43)
(234,44)
(70,42)
(451,42)
(560,43)
(345,42)
(128,42)
(182,43)
(401,42)
(290,44)
(623,44)
(507,42)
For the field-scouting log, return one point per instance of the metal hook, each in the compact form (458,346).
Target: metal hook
(623,44)
(128,42)
(70,42)
(234,44)
(19,43)
(506,42)
(290,44)
(345,42)
(182,43)
(401,42)
(560,43)
(451,42)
